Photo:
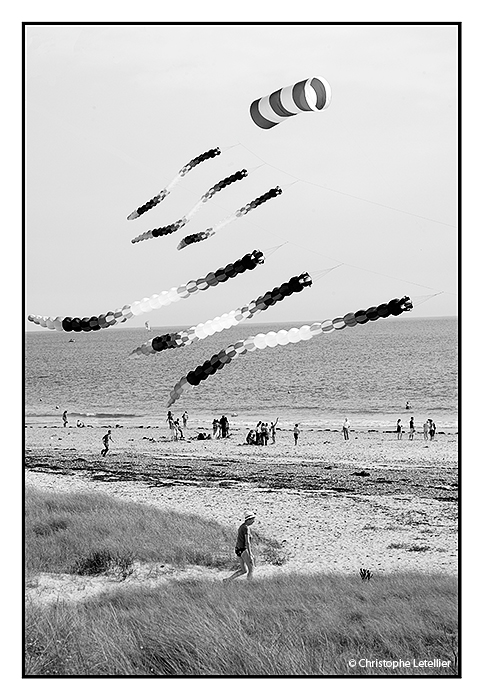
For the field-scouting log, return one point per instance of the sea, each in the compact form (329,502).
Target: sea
(366,374)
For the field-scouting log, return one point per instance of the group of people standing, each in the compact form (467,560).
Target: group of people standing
(429,429)
(261,434)
(175,427)
(221,427)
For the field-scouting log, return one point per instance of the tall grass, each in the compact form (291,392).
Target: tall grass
(86,533)
(288,625)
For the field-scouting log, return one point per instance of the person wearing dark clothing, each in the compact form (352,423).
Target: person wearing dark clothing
(243,548)
(264,433)
(224,426)
(105,440)
(411,428)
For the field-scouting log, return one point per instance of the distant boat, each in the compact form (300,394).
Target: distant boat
(147,326)
(71,340)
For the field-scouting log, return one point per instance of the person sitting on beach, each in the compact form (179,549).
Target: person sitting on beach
(399,429)
(105,440)
(64,418)
(273,430)
(80,424)
(345,429)
(243,548)
(411,428)
(251,437)
(296,433)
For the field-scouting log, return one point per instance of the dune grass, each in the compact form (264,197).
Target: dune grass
(291,625)
(87,533)
(287,625)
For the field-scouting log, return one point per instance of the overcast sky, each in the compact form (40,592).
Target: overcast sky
(113,112)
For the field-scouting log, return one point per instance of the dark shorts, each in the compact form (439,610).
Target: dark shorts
(239,552)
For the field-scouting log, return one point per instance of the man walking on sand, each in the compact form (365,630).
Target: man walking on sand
(243,548)
(105,440)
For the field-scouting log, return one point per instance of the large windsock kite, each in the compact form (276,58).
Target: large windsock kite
(310,95)
(263,340)
(156,301)
(227,320)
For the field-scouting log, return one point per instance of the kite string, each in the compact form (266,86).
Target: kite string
(346,194)
(324,255)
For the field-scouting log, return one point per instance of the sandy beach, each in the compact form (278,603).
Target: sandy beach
(372,501)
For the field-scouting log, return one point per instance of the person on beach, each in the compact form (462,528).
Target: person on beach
(185,419)
(345,429)
(258,433)
(243,548)
(273,430)
(64,418)
(172,427)
(251,437)
(105,440)
(224,425)
(179,432)
(264,433)
(408,406)
(432,429)
(399,429)
(216,428)
(411,428)
(426,429)
(296,433)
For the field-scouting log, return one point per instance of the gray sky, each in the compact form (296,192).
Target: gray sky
(113,112)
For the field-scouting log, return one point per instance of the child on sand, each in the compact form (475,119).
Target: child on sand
(243,548)
(105,440)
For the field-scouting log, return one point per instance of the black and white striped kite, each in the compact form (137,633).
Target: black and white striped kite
(309,95)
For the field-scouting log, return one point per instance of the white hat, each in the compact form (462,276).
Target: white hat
(249,514)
